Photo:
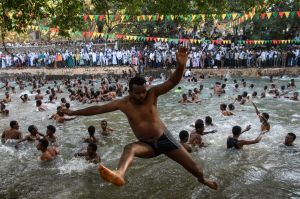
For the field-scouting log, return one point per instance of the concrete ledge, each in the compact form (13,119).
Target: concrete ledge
(245,72)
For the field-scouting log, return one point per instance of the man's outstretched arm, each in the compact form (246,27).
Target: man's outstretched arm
(181,57)
(94,110)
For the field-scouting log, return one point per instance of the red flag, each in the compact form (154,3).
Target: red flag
(281,14)
(263,15)
(298,13)
(101,17)
(85,17)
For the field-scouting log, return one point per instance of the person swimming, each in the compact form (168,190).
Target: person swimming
(184,137)
(90,154)
(47,153)
(235,142)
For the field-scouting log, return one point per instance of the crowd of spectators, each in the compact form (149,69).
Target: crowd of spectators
(74,54)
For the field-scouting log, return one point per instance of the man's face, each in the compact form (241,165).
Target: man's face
(16,126)
(138,93)
(288,140)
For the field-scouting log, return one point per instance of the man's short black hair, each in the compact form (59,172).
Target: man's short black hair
(208,120)
(13,123)
(236,130)
(293,135)
(51,128)
(199,124)
(137,80)
(91,130)
(31,128)
(44,143)
(183,135)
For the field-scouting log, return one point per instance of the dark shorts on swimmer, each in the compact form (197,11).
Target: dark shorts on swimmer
(164,144)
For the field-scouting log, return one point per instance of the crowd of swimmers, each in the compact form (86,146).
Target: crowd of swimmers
(83,91)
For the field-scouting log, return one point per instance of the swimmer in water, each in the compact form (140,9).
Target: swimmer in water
(184,137)
(263,117)
(224,111)
(91,138)
(12,133)
(39,106)
(47,153)
(140,107)
(38,96)
(294,97)
(7,98)
(33,136)
(289,139)
(195,137)
(104,129)
(50,134)
(3,109)
(90,154)
(234,142)
(24,98)
(184,99)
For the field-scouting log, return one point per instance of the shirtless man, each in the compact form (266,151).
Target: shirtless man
(39,106)
(3,111)
(263,117)
(47,153)
(289,139)
(33,136)
(91,138)
(140,107)
(195,137)
(104,129)
(24,98)
(224,111)
(184,99)
(59,116)
(38,96)
(234,142)
(294,97)
(7,98)
(90,154)
(13,132)
(184,138)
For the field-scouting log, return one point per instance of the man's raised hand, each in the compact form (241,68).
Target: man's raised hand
(182,55)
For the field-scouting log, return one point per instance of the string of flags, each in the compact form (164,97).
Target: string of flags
(192,17)
(115,36)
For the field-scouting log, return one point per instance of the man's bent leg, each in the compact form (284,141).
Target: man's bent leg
(138,149)
(182,157)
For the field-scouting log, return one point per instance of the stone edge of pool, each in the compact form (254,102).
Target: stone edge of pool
(247,72)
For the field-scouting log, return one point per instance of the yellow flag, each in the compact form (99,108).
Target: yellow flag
(91,17)
(269,14)
(172,17)
(287,14)
(122,17)
(289,41)
(94,34)
(234,15)
(138,18)
(134,37)
(161,17)
(255,41)
(214,16)
(203,16)
(193,17)
(223,16)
